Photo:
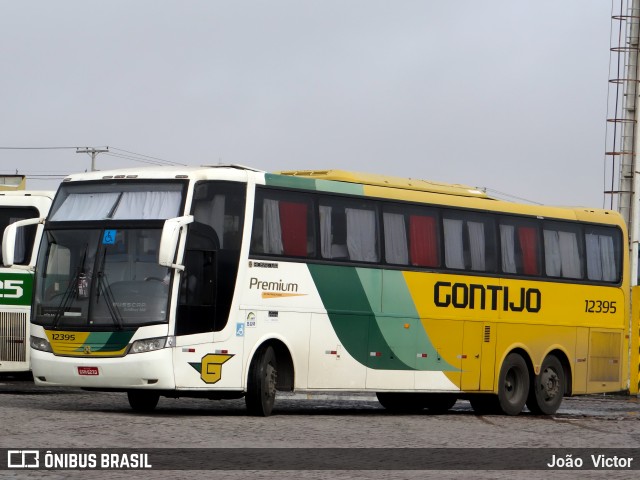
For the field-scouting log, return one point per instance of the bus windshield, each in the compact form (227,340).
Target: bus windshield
(102,277)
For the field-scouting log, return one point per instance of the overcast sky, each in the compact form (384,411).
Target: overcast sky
(510,95)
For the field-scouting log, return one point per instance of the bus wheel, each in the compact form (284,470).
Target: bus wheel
(261,384)
(143,400)
(547,389)
(439,402)
(401,402)
(513,384)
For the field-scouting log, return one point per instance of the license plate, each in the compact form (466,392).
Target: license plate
(87,370)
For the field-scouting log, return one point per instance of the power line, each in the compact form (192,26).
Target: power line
(37,148)
(168,162)
(94,151)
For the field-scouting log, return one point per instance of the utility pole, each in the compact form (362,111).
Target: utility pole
(94,153)
(625,83)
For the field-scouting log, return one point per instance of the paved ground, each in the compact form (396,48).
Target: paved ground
(34,417)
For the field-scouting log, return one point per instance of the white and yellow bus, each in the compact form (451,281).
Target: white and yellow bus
(16,283)
(223,282)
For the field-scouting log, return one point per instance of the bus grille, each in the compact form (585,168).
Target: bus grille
(13,333)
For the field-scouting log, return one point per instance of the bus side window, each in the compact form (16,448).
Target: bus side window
(283,224)
(520,246)
(603,253)
(24,236)
(469,241)
(562,251)
(349,230)
(411,236)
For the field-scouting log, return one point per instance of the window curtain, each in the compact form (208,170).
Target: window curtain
(608,256)
(424,241)
(507,247)
(569,255)
(86,206)
(293,221)
(552,261)
(147,205)
(477,244)
(395,238)
(527,236)
(562,257)
(600,258)
(594,261)
(271,231)
(453,246)
(361,235)
(325,231)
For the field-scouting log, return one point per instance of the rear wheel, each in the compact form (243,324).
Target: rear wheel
(261,384)
(143,400)
(513,384)
(547,389)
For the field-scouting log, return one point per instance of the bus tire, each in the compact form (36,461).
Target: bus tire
(547,388)
(513,384)
(143,400)
(261,384)
(397,402)
(439,402)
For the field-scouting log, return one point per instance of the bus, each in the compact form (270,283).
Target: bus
(16,283)
(227,282)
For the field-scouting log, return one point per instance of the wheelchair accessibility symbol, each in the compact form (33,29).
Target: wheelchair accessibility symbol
(240,329)
(109,237)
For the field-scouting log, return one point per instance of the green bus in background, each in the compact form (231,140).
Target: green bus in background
(16,283)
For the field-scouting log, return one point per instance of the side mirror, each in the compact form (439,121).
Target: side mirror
(9,239)
(169,240)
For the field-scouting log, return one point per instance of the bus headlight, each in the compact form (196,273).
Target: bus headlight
(41,344)
(151,344)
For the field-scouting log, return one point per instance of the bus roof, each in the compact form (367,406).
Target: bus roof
(391,182)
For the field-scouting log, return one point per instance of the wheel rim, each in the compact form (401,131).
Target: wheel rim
(270,381)
(549,384)
(511,384)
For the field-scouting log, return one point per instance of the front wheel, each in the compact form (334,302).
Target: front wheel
(547,389)
(143,400)
(513,384)
(261,384)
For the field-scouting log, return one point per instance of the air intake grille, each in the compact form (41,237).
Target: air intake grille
(13,333)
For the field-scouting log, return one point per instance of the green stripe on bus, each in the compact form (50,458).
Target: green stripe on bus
(402,327)
(383,340)
(107,341)
(303,183)
(289,181)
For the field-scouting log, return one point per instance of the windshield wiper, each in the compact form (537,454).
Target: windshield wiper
(71,289)
(104,286)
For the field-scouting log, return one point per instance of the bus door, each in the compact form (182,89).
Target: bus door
(196,311)
(477,356)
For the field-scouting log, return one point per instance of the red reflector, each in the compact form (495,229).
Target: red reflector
(87,371)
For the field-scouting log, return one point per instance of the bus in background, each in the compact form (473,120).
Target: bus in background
(16,283)
(223,282)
